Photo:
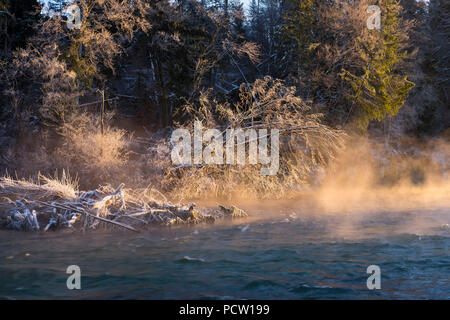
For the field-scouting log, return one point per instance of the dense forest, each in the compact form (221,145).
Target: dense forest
(101,99)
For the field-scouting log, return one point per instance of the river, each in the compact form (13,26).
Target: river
(282,255)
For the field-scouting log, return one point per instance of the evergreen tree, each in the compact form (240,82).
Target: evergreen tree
(56,5)
(257,23)
(25,15)
(4,5)
(299,28)
(382,89)
(5,16)
(440,33)
(435,47)
(238,21)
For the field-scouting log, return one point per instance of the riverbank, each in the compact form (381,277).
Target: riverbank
(52,204)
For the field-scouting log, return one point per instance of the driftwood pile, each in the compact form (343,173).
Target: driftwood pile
(55,204)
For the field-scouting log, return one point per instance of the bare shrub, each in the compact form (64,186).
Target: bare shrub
(85,144)
(51,80)
(306,143)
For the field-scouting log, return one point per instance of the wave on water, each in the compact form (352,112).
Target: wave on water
(187,258)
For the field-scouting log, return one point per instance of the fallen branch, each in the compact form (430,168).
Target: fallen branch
(89,215)
(29,205)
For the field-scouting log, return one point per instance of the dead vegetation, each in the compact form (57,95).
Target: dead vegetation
(306,143)
(52,204)
(83,142)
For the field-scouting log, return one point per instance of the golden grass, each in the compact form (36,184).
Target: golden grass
(84,143)
(64,187)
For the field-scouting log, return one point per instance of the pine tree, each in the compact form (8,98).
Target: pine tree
(56,5)
(257,22)
(299,27)
(4,17)
(382,89)
(4,5)
(24,15)
(238,21)
(440,52)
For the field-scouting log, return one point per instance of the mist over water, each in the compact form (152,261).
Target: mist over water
(358,92)
(316,245)
(285,250)
(285,254)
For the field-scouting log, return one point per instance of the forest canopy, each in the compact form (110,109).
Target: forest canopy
(313,68)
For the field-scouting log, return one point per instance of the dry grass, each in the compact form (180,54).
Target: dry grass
(306,144)
(64,187)
(85,144)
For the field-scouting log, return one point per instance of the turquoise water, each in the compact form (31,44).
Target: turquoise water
(284,256)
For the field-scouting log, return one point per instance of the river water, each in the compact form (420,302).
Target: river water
(282,255)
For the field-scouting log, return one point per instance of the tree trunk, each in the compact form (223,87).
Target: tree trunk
(164,110)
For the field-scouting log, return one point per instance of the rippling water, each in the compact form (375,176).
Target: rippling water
(287,255)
